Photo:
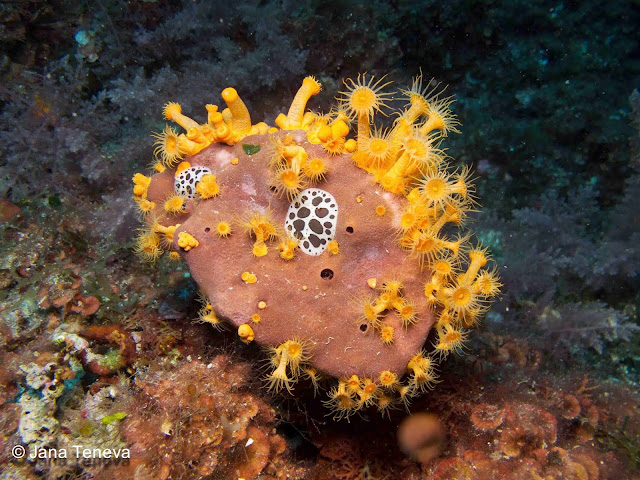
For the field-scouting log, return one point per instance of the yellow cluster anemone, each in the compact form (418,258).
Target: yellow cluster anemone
(148,245)
(229,126)
(430,103)
(262,227)
(362,99)
(174,204)
(398,157)
(421,368)
(223,229)
(208,187)
(465,298)
(288,247)
(206,314)
(291,169)
(353,394)
(389,299)
(288,360)
(296,117)
(166,233)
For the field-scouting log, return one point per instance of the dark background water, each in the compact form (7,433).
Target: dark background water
(546,92)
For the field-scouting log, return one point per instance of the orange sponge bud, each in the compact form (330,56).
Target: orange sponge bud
(324,133)
(187,241)
(333,247)
(142,180)
(181,167)
(173,112)
(350,145)
(239,111)
(310,86)
(246,334)
(339,128)
(248,277)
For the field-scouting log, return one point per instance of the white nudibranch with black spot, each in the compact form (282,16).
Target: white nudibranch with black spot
(312,219)
(187,179)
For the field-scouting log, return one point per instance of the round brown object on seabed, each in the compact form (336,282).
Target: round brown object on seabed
(421,437)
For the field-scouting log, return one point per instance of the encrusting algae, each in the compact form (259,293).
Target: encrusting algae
(338,254)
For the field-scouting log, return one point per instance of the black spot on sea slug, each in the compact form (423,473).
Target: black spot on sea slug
(315,241)
(304,212)
(315,225)
(298,225)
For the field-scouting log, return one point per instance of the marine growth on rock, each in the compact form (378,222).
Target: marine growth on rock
(343,257)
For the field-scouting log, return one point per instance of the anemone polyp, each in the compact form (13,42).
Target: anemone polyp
(364,96)
(167,147)
(223,229)
(287,181)
(378,148)
(175,204)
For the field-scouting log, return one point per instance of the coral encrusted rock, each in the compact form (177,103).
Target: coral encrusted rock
(338,255)
(318,299)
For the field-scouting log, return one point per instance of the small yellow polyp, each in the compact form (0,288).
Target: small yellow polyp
(187,241)
(262,305)
(333,247)
(208,187)
(248,277)
(182,166)
(245,332)
(140,185)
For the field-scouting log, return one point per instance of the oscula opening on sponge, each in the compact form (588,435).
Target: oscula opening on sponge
(338,255)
